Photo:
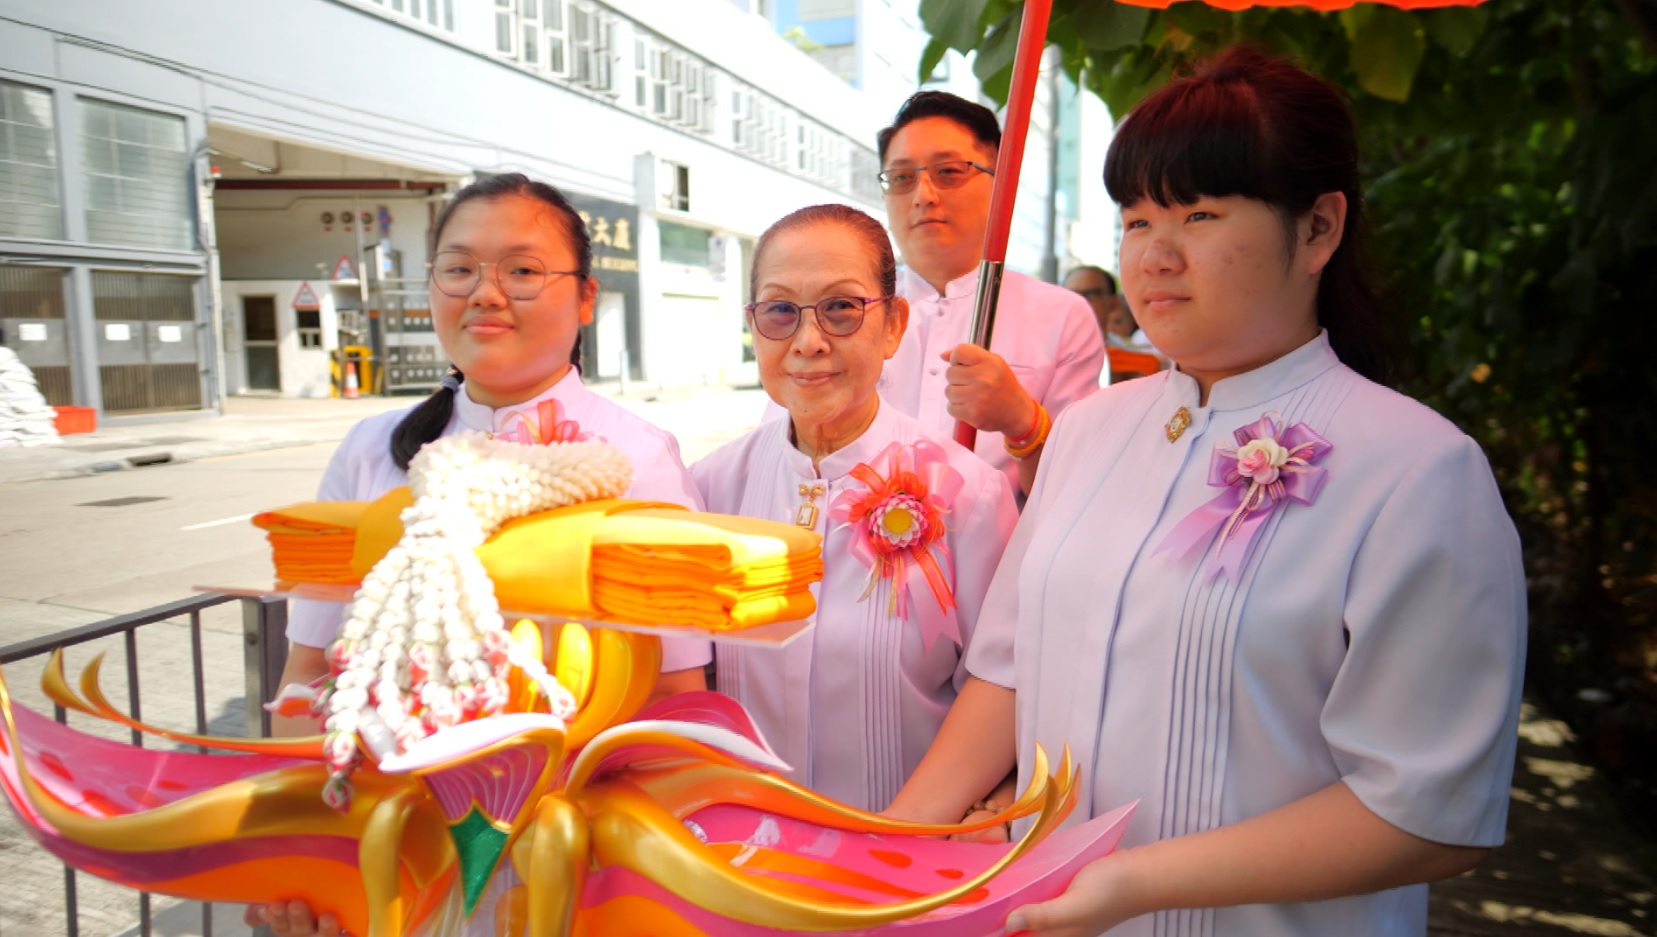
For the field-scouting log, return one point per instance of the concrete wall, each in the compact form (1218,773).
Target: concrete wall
(304,371)
(281,235)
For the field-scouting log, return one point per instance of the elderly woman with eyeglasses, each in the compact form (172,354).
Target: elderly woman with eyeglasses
(913,525)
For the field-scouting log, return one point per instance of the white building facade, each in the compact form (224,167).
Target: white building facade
(209,197)
(1063,217)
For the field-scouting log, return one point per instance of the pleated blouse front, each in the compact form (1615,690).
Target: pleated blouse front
(1375,636)
(854,704)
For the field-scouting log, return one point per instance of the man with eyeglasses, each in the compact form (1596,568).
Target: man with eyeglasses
(938,158)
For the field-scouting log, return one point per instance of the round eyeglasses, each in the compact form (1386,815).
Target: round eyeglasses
(519,276)
(949,174)
(839,316)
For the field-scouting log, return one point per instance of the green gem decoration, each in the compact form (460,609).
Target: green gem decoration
(479,845)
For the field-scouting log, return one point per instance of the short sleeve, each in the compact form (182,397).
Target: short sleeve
(978,545)
(1081,357)
(663,476)
(990,657)
(1422,716)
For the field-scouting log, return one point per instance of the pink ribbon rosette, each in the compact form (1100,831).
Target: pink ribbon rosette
(899,525)
(543,427)
(1269,467)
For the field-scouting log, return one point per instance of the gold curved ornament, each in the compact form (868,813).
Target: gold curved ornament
(625,664)
(571,820)
(630,831)
(55,684)
(554,866)
(573,661)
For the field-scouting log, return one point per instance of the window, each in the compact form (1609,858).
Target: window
(552,19)
(667,71)
(29,204)
(672,84)
(739,116)
(439,14)
(865,173)
(641,74)
(529,27)
(506,28)
(675,186)
(136,167)
(308,326)
(683,244)
(692,108)
(592,45)
(821,154)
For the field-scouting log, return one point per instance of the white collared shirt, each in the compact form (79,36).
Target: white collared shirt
(1046,333)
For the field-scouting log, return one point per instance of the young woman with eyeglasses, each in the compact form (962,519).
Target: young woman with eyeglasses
(853,704)
(510,286)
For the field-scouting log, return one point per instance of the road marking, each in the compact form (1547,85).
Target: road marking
(220,522)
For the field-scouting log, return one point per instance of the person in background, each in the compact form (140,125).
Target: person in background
(1127,349)
(937,161)
(1277,604)
(853,705)
(1098,287)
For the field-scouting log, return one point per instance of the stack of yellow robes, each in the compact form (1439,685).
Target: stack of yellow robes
(630,561)
(313,542)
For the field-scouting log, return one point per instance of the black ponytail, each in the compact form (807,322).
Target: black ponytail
(425,422)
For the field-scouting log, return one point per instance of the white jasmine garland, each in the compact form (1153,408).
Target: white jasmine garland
(423,645)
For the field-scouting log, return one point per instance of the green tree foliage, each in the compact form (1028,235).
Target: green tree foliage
(1511,171)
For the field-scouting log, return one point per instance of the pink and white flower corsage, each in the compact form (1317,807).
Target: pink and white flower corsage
(545,426)
(899,532)
(1268,468)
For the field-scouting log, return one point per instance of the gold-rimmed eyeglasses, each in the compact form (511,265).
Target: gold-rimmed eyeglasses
(519,276)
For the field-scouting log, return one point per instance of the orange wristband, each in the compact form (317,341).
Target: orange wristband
(1035,439)
(1018,442)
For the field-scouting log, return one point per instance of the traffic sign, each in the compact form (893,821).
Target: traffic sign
(306,298)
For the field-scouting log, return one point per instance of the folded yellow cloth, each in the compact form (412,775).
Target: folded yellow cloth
(620,560)
(313,517)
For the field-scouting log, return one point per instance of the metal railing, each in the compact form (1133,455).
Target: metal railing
(264,633)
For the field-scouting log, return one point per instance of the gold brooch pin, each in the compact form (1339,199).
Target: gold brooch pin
(1177,426)
(806,514)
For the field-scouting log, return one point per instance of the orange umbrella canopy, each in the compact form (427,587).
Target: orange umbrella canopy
(1324,5)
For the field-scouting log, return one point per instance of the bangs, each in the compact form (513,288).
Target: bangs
(1193,139)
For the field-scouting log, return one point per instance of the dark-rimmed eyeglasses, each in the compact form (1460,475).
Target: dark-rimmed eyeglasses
(519,276)
(949,174)
(839,316)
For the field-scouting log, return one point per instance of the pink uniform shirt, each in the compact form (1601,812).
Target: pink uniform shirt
(853,704)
